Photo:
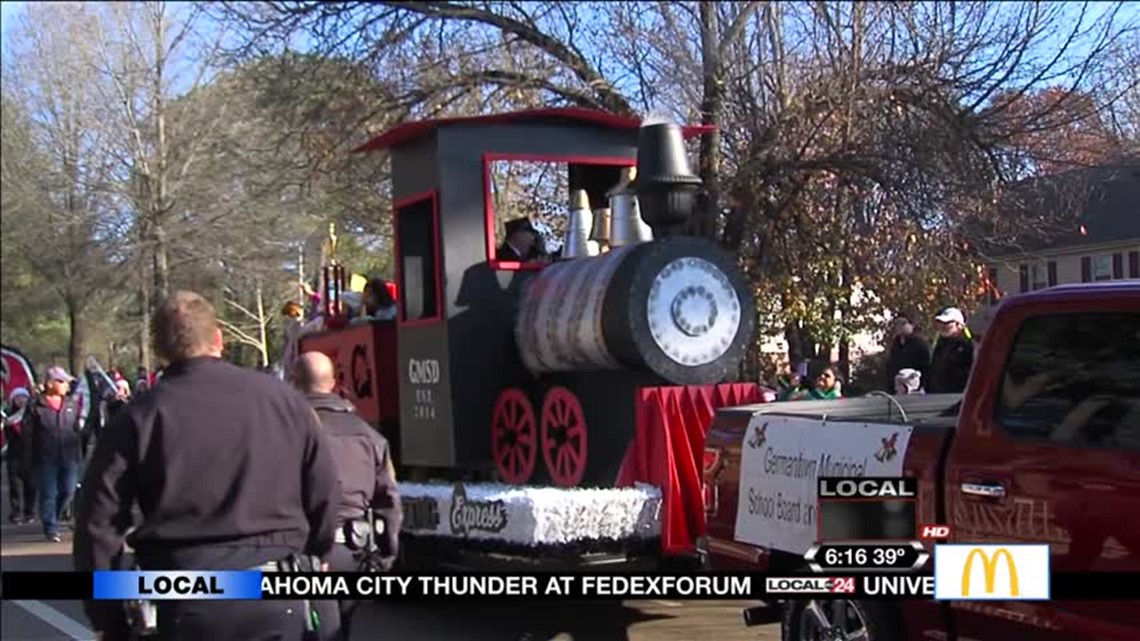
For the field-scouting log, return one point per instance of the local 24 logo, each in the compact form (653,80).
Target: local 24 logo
(811,585)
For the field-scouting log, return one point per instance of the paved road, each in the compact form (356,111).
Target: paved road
(23,548)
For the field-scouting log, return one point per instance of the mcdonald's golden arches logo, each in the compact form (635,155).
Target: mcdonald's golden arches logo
(989,568)
(1007,572)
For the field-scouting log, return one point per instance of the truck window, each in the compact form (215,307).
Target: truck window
(1075,379)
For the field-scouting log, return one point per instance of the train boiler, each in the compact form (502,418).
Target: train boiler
(554,405)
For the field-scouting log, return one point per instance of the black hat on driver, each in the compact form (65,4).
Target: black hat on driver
(520,224)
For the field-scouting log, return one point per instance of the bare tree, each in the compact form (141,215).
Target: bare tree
(252,326)
(1120,91)
(57,176)
(145,55)
(864,139)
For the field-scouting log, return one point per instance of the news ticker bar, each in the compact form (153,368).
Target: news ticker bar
(249,585)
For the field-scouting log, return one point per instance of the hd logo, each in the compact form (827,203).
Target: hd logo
(1008,572)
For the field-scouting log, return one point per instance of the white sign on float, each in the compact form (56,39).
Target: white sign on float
(782,459)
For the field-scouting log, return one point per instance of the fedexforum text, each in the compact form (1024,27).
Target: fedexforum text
(300,585)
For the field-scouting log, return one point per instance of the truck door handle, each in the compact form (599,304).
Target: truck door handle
(990,490)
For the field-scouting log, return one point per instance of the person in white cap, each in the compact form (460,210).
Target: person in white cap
(953,354)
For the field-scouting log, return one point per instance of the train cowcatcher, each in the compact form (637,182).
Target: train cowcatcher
(553,411)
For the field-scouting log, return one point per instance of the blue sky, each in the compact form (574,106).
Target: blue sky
(7,9)
(1130,12)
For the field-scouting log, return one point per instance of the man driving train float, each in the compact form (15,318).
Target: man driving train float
(512,377)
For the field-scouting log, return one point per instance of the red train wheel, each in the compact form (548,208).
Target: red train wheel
(563,427)
(513,437)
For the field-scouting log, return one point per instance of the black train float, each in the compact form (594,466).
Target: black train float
(532,375)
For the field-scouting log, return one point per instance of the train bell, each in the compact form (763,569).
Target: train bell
(579,224)
(626,225)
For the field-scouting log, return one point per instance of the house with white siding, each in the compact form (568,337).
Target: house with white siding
(1104,243)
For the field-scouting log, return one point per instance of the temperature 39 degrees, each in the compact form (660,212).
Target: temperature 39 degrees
(865,556)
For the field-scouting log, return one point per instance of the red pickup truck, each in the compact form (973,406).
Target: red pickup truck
(1043,447)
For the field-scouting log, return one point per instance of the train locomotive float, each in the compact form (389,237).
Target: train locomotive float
(549,410)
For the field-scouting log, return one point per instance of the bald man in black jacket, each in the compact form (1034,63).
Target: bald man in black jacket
(367,476)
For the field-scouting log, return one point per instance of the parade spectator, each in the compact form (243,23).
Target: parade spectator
(21,485)
(52,424)
(236,474)
(786,379)
(827,387)
(295,328)
(96,418)
(791,385)
(907,350)
(953,356)
(377,301)
(116,402)
(367,476)
(142,381)
(908,381)
(312,298)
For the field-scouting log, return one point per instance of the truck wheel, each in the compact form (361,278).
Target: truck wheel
(840,620)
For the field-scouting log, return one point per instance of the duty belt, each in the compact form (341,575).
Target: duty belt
(293,563)
(312,617)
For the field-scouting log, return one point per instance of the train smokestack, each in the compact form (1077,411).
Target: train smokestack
(665,185)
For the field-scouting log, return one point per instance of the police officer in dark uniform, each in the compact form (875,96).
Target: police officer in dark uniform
(230,470)
(367,479)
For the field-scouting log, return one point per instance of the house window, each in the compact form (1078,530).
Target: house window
(1039,276)
(1102,267)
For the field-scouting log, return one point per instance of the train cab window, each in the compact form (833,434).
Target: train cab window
(417,246)
(1075,379)
(528,200)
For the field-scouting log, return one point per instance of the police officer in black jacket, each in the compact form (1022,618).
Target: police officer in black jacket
(367,477)
(230,470)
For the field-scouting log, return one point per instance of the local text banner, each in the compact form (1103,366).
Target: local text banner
(151,586)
